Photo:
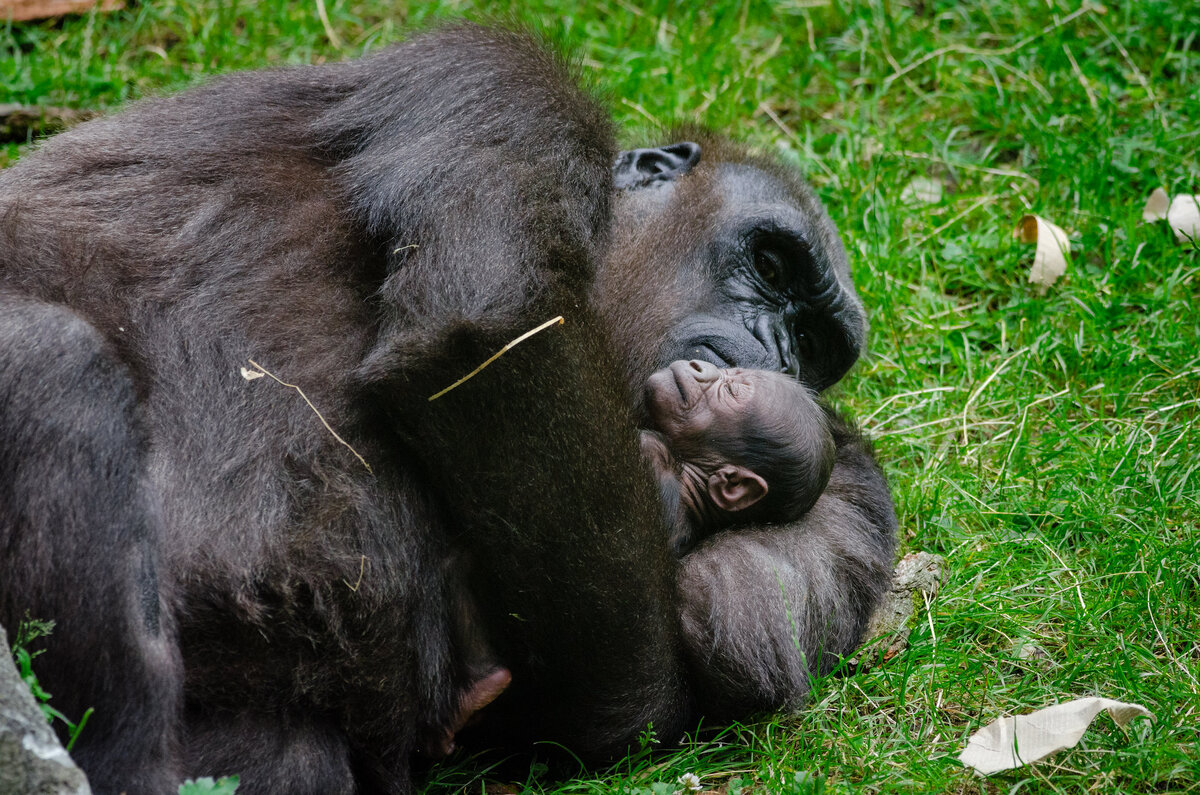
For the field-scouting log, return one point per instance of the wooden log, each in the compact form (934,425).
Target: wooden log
(23,122)
(915,584)
(22,10)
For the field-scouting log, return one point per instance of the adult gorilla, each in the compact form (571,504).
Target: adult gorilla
(235,591)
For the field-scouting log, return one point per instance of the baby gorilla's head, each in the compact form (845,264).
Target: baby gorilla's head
(756,441)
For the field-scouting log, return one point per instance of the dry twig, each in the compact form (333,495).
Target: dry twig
(250,375)
(499,353)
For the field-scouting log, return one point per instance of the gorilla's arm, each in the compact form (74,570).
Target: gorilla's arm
(766,610)
(575,580)
(493,207)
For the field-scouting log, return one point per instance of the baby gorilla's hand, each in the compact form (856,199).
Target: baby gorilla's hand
(481,693)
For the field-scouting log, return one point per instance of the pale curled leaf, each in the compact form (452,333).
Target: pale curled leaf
(1053,246)
(1016,741)
(922,190)
(250,375)
(1182,214)
(1184,218)
(1156,206)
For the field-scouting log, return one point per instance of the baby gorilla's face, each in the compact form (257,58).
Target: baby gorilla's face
(694,403)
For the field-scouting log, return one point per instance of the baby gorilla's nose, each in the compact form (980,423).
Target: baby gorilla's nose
(705,371)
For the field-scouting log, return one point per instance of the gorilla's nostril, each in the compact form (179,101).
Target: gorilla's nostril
(697,366)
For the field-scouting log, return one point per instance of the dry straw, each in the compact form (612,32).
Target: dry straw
(552,322)
(250,375)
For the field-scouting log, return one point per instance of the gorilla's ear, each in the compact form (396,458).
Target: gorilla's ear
(735,488)
(639,167)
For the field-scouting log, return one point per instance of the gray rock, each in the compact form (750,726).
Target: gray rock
(32,760)
(914,584)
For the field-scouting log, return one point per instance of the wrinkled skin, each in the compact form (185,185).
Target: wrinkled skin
(732,446)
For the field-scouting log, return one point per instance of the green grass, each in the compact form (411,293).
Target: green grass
(1046,445)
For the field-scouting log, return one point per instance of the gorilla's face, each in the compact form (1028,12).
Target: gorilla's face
(758,273)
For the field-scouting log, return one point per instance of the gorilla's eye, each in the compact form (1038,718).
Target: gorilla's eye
(769,265)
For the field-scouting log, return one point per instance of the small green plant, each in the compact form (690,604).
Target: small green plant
(29,630)
(207,786)
(657,788)
(647,739)
(805,783)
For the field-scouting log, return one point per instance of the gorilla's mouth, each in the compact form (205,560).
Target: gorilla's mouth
(736,350)
(706,352)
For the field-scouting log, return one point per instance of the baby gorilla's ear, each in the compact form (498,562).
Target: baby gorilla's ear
(734,488)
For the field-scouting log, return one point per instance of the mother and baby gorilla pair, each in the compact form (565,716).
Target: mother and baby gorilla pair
(239,590)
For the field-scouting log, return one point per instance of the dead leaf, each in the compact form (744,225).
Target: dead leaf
(1053,246)
(922,190)
(500,788)
(869,149)
(1184,217)
(1021,740)
(1182,214)
(1030,652)
(20,10)
(1156,206)
(250,375)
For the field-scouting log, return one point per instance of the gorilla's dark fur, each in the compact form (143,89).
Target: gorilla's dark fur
(234,590)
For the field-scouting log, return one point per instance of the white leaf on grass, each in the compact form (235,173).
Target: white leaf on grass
(1156,206)
(1053,246)
(1184,218)
(869,149)
(922,190)
(250,375)
(1182,213)
(1013,742)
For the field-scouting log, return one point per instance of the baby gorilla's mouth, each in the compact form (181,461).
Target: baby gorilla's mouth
(665,397)
(686,383)
(683,395)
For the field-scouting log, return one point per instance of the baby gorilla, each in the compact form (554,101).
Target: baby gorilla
(732,447)
(729,447)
